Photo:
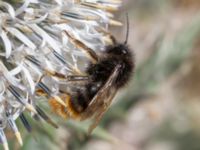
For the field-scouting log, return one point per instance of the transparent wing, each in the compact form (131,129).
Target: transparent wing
(106,89)
(102,100)
(100,112)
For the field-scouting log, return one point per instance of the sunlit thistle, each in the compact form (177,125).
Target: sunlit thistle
(38,53)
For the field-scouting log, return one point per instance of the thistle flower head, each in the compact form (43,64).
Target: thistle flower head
(37,40)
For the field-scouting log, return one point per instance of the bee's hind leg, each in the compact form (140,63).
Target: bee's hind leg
(91,54)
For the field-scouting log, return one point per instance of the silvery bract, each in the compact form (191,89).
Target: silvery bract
(34,43)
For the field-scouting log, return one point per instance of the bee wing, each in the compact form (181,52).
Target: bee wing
(103,98)
(101,111)
(106,89)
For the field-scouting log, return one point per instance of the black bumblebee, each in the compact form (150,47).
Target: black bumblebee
(106,74)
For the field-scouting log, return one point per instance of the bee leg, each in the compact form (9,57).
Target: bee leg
(57,108)
(43,90)
(77,78)
(55,74)
(109,38)
(49,93)
(90,53)
(61,76)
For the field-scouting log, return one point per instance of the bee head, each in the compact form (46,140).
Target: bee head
(121,50)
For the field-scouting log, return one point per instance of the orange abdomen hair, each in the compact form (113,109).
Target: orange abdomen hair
(64,112)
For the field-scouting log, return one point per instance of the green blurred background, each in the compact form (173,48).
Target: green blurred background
(160,108)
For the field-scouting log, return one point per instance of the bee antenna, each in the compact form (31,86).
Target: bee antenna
(127,30)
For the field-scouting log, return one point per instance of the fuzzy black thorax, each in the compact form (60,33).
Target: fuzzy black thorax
(114,55)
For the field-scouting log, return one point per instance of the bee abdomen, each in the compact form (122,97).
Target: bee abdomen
(79,101)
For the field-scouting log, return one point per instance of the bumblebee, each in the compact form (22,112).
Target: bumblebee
(105,75)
